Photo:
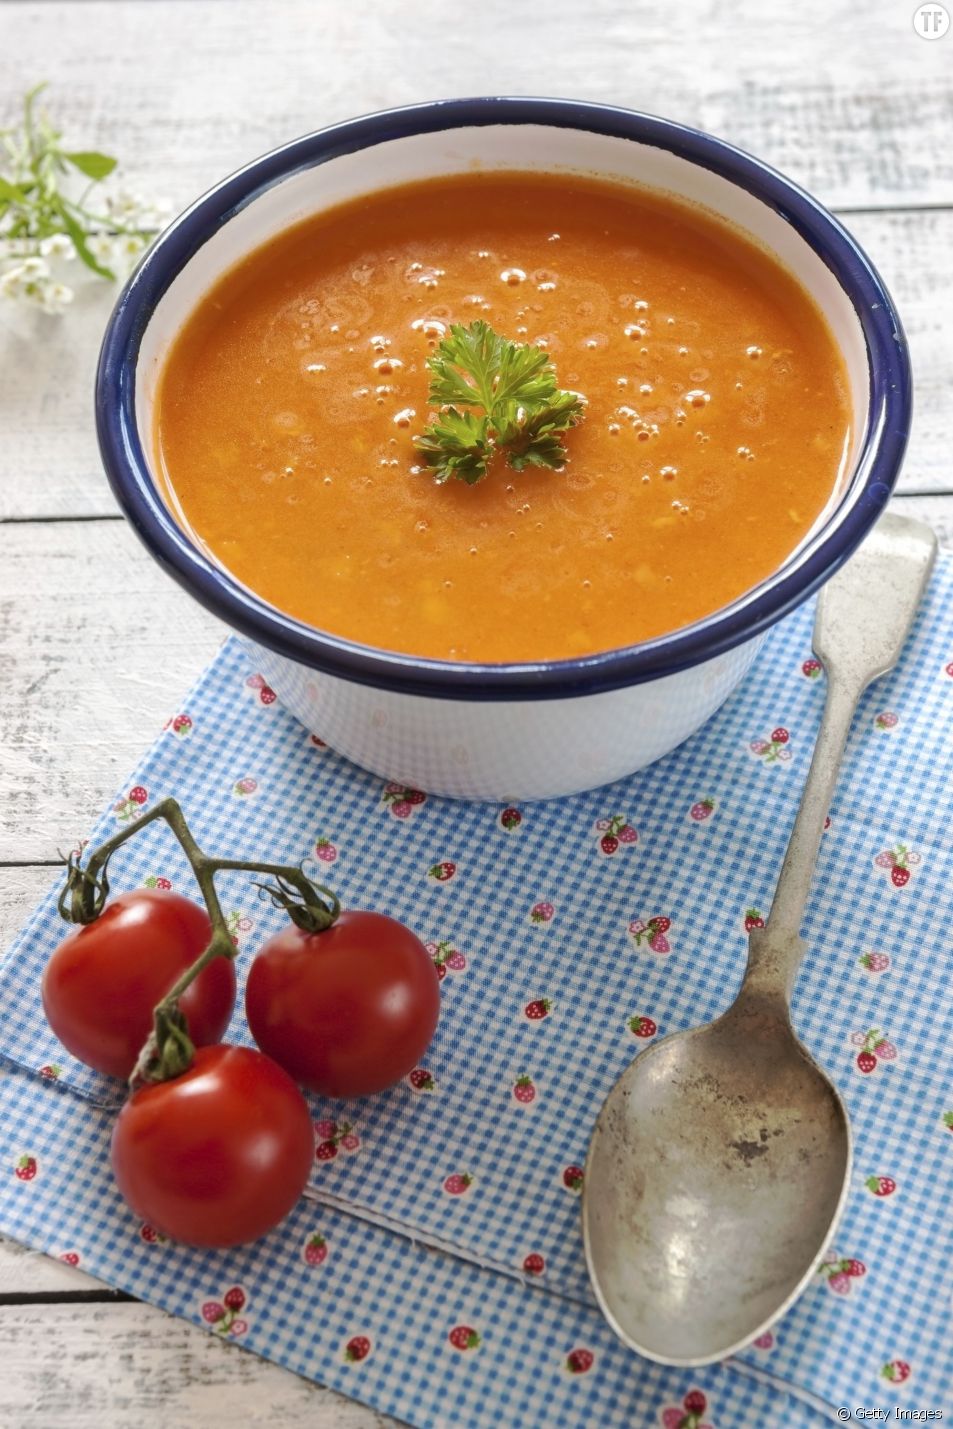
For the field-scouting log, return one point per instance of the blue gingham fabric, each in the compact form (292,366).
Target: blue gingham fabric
(439,1236)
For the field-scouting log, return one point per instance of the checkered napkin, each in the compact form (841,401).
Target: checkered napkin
(434,1267)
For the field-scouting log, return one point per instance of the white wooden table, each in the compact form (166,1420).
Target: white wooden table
(97,645)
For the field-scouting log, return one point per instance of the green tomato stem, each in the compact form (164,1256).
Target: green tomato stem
(169,1051)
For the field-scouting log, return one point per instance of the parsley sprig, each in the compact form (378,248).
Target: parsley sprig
(494,395)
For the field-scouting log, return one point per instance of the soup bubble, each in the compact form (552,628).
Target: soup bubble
(430,327)
(513,276)
(426,275)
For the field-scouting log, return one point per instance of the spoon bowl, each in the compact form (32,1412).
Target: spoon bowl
(718,1165)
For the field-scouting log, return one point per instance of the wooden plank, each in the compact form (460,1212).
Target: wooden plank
(30,1272)
(857,108)
(936,510)
(99,647)
(112,1366)
(20,890)
(908,249)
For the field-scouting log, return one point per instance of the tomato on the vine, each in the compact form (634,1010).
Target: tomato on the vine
(347,1011)
(219,1155)
(103,981)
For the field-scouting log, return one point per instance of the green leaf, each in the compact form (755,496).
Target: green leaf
(524,411)
(78,238)
(10,193)
(457,444)
(94,165)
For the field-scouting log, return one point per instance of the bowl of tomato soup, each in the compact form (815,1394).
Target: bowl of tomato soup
(329,402)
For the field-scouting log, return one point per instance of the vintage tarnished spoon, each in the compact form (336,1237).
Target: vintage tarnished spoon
(720,1161)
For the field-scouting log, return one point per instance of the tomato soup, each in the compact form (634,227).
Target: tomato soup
(716,422)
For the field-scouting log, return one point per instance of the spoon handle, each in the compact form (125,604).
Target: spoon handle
(797,871)
(864,615)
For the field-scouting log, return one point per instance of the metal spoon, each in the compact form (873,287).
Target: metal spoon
(720,1161)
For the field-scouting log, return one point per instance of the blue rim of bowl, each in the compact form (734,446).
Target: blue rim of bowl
(875,472)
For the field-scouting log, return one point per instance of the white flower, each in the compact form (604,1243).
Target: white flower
(131,210)
(126,207)
(55,297)
(34,268)
(16,247)
(30,282)
(130,245)
(102,247)
(121,203)
(58,245)
(11,282)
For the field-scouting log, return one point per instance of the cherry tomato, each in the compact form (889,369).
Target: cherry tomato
(348,1011)
(104,979)
(217,1156)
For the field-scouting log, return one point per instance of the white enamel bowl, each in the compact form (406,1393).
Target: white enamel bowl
(527,731)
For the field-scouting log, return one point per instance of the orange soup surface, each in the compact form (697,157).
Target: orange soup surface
(715,429)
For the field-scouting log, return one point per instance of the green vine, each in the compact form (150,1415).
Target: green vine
(310,906)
